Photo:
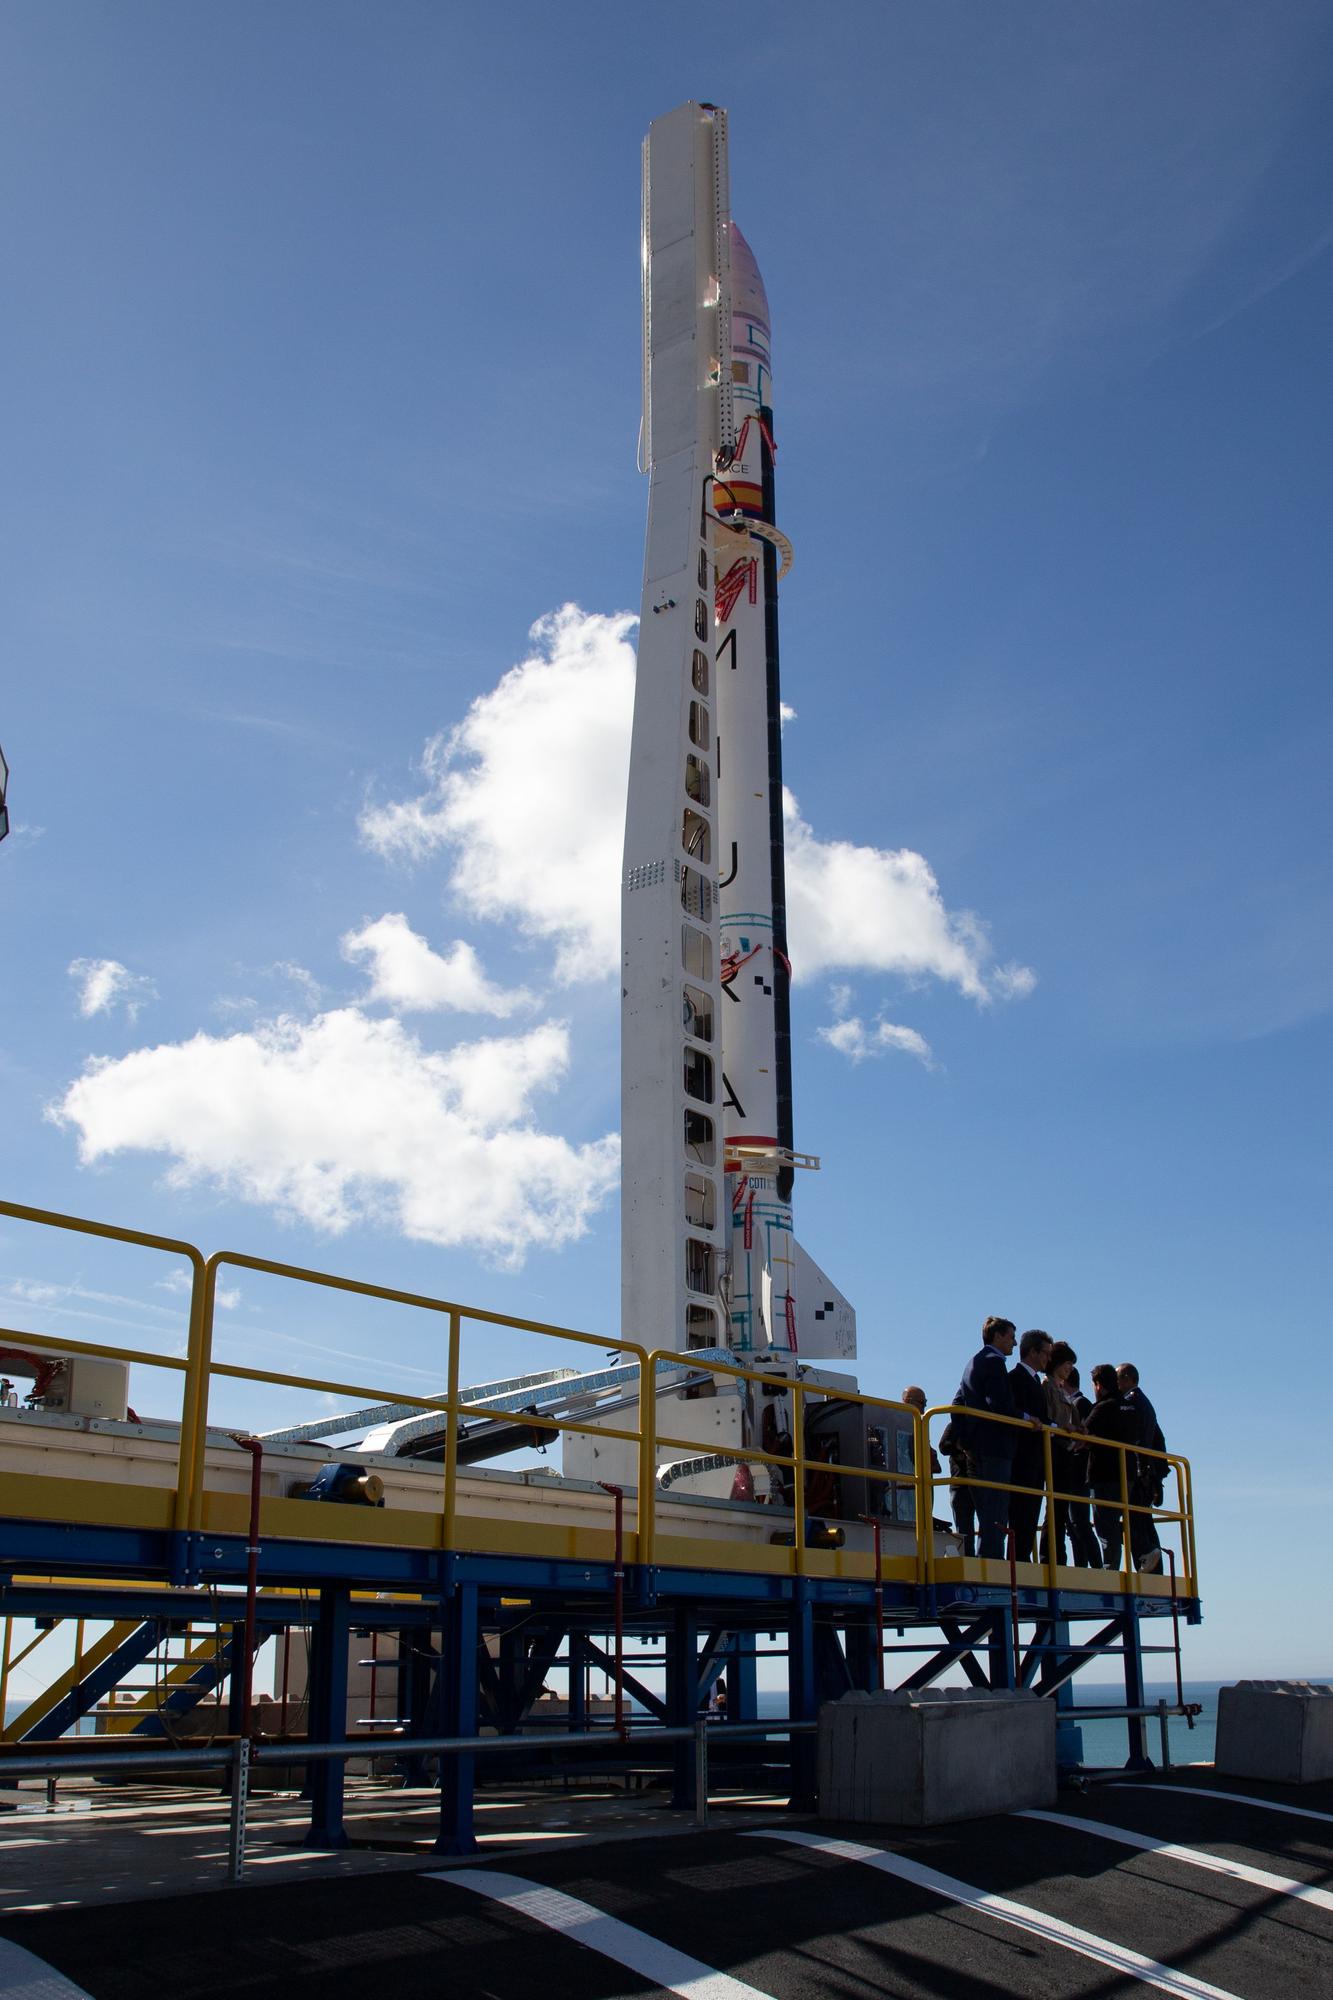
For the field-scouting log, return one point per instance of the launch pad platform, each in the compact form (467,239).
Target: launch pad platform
(475,1596)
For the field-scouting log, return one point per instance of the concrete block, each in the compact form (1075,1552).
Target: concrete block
(1279,1730)
(935,1755)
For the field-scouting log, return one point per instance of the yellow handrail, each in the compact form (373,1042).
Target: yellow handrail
(1184,1515)
(795,1461)
(199,1369)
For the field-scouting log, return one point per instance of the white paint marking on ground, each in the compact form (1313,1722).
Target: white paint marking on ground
(23,1977)
(1054,1930)
(7,1844)
(1197,1857)
(646,1955)
(1234,1798)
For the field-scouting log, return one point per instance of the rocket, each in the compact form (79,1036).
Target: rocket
(709,1257)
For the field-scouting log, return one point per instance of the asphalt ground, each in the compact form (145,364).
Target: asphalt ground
(795,1907)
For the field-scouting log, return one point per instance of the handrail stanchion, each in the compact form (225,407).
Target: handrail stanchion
(204,1379)
(451,1431)
(1185,1487)
(191,1393)
(798,1476)
(924,1503)
(1048,1471)
(1125,1558)
(1175,1626)
(647,1510)
(1013,1606)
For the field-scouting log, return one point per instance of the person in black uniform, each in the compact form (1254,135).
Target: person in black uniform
(1146,1483)
(1029,1461)
(1112,1419)
(988,1447)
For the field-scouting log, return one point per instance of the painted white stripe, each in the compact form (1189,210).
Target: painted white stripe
(646,1955)
(1054,1930)
(1197,1857)
(23,1977)
(1234,1798)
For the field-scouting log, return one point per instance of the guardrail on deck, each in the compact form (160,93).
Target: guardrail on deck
(198,1369)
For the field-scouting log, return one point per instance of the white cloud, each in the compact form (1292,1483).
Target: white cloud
(344,1119)
(877,909)
(851,1038)
(407,975)
(529,790)
(179,1279)
(41,1292)
(105,983)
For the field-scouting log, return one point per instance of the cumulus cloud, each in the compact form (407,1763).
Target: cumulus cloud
(104,983)
(528,795)
(345,1119)
(851,1038)
(408,976)
(877,909)
(529,792)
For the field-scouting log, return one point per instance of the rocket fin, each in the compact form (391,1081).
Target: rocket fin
(826,1322)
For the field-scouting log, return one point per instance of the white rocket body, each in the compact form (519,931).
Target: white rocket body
(708,1254)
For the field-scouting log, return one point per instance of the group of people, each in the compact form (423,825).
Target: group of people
(1042,1387)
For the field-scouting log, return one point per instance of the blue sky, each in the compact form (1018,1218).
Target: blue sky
(323,378)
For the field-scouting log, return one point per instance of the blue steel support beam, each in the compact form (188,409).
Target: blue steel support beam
(578,1684)
(802,1693)
(682,1697)
(327,1721)
(742,1682)
(1139,1759)
(1001,1647)
(460,1637)
(1068,1735)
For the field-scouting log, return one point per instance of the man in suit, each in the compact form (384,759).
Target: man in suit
(1146,1483)
(1029,1461)
(1112,1419)
(989,1447)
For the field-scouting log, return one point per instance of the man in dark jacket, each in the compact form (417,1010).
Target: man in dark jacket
(989,1447)
(1146,1483)
(1029,1461)
(1112,1419)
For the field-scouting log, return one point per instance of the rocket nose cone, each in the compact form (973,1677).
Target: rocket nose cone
(749,300)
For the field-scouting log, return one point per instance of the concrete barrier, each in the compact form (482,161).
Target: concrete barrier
(1279,1730)
(936,1755)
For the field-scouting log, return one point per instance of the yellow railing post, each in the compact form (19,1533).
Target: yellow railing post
(203,1360)
(1048,1473)
(451,1430)
(194,1395)
(647,1509)
(925,1492)
(798,1475)
(1125,1560)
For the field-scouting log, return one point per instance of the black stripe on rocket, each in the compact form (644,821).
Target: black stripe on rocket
(781,962)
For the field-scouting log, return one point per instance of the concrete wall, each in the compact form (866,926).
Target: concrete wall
(1279,1730)
(936,1755)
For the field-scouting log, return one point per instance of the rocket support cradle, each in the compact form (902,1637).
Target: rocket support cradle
(708,1255)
